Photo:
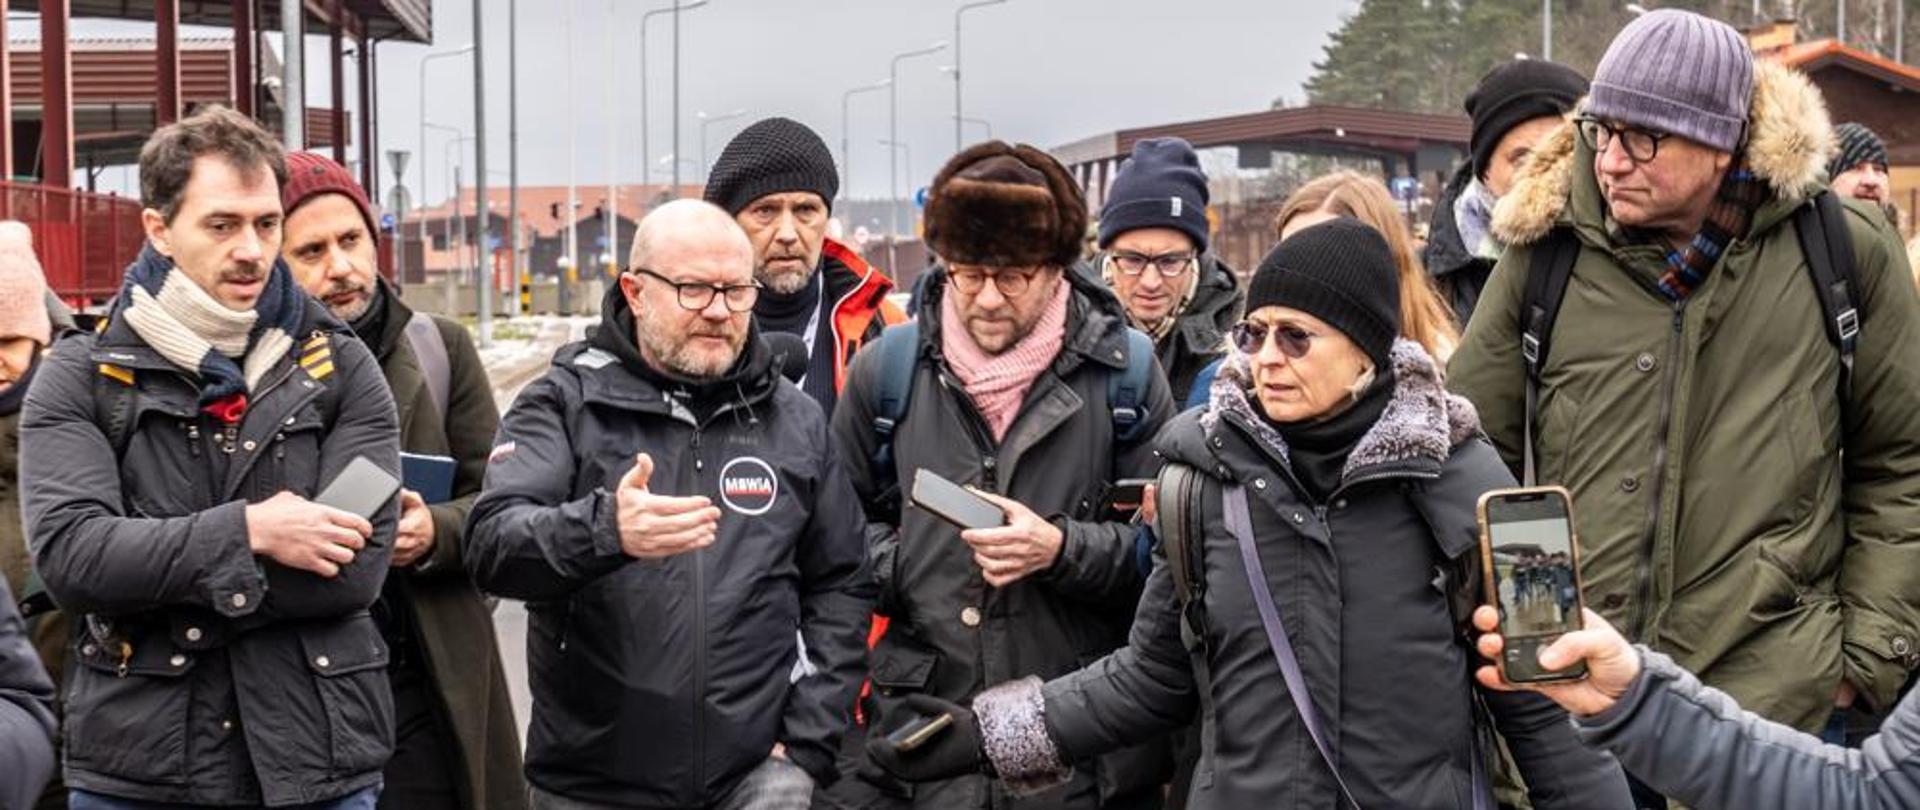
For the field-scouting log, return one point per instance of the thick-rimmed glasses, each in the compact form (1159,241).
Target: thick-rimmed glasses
(698,295)
(1251,336)
(1166,265)
(1011,281)
(1640,145)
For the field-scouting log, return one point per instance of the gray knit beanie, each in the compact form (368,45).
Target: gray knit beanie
(1678,72)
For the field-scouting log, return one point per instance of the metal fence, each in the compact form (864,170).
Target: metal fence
(84,240)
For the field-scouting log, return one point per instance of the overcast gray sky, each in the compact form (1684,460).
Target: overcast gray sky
(1041,71)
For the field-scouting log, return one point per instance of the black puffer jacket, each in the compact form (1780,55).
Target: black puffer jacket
(1459,275)
(240,681)
(662,683)
(1361,582)
(950,634)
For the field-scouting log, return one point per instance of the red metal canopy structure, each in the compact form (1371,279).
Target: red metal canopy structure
(91,102)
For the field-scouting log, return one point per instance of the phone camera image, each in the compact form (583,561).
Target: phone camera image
(1533,566)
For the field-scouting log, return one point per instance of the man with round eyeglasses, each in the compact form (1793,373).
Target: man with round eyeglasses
(1010,366)
(671,510)
(1743,476)
(1153,242)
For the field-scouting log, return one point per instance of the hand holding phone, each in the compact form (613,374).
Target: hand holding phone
(1125,498)
(953,503)
(918,731)
(322,534)
(1530,561)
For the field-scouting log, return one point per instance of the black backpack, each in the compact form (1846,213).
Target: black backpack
(1824,239)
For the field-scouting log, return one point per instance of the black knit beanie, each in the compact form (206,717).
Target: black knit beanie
(1513,93)
(1855,144)
(772,156)
(1341,272)
(1161,186)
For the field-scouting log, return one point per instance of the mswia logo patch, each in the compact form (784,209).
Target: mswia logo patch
(748,485)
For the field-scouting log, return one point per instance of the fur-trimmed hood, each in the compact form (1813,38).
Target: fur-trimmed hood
(1421,425)
(1789,138)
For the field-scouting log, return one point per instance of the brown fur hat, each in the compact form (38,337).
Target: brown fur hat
(1004,205)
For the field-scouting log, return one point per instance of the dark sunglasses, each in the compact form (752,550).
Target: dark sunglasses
(1250,336)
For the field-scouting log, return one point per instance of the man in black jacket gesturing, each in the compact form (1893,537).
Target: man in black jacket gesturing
(671,509)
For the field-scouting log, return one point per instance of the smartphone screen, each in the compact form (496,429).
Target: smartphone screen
(1534,575)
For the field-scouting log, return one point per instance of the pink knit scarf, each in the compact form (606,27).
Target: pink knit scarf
(998,383)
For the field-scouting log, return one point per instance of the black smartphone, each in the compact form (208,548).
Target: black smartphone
(1530,559)
(918,732)
(1125,497)
(361,488)
(953,503)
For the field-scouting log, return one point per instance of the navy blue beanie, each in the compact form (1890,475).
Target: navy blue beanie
(1161,186)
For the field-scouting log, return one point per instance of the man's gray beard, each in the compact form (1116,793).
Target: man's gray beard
(675,357)
(354,312)
(782,282)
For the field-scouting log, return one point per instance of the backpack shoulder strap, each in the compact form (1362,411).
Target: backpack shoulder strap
(1179,516)
(1828,247)
(114,388)
(1549,269)
(898,345)
(1127,391)
(430,350)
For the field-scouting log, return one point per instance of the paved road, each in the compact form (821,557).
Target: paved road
(511,370)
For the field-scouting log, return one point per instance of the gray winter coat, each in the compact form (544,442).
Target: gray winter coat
(26,712)
(209,675)
(951,635)
(1695,745)
(1362,582)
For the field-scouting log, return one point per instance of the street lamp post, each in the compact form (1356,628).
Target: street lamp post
(705,122)
(956,65)
(612,208)
(424,126)
(1546,30)
(450,160)
(846,151)
(893,134)
(484,264)
(422,110)
(646,166)
(906,153)
(984,123)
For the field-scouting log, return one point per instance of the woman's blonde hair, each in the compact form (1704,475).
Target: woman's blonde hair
(1424,317)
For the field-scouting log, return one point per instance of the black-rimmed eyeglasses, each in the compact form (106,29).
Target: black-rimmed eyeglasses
(698,295)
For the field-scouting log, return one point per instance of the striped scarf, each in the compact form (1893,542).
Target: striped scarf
(1733,206)
(228,350)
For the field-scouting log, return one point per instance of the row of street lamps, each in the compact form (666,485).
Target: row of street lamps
(675,10)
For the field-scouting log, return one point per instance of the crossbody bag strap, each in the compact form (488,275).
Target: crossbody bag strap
(1241,526)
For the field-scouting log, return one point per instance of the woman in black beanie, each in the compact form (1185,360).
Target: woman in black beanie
(1319,522)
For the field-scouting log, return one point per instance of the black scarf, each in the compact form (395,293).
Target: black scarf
(790,313)
(1319,449)
(371,326)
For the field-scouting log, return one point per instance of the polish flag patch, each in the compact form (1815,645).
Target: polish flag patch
(501,451)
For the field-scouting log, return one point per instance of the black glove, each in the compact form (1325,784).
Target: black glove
(954,751)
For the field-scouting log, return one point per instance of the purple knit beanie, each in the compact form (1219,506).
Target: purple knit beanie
(1678,72)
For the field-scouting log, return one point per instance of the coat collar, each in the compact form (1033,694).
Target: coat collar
(1789,138)
(1416,433)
